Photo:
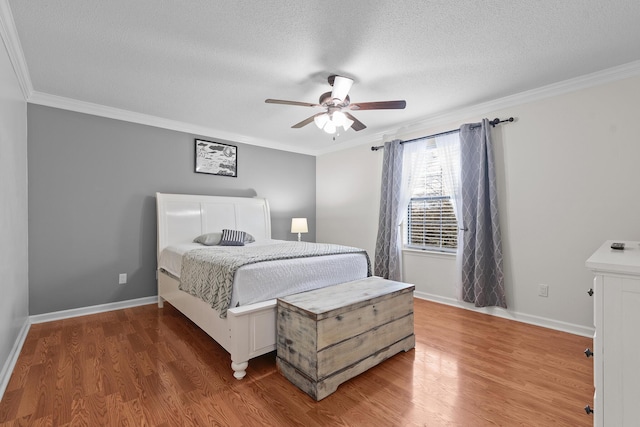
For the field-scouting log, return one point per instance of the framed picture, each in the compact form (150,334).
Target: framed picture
(216,158)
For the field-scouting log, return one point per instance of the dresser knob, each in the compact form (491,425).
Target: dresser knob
(588,410)
(588,352)
(590,292)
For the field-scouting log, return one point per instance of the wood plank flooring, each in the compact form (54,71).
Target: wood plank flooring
(146,366)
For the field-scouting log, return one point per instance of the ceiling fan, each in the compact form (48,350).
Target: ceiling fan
(336,105)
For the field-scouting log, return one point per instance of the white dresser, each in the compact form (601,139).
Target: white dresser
(616,342)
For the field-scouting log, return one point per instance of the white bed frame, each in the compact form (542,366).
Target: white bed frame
(248,331)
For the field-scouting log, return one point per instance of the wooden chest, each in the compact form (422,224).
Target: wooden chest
(328,336)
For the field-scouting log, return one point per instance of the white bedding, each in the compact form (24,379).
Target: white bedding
(272,279)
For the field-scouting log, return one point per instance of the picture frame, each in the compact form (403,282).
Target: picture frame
(216,158)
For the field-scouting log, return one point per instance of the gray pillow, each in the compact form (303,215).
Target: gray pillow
(209,239)
(213,239)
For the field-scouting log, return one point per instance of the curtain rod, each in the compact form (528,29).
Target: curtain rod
(493,123)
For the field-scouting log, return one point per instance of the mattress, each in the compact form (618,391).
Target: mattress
(272,279)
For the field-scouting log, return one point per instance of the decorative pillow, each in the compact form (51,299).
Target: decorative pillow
(213,239)
(209,239)
(232,238)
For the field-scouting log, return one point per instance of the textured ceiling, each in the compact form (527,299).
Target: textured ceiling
(211,64)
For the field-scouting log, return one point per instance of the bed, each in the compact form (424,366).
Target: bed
(249,328)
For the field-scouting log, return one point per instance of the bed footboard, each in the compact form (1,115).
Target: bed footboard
(253,329)
(247,332)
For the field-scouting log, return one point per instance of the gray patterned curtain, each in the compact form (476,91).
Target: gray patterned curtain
(482,274)
(388,258)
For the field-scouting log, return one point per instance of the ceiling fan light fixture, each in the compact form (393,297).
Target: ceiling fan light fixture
(347,124)
(340,119)
(330,127)
(321,120)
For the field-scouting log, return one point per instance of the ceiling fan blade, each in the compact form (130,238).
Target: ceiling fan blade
(357,124)
(280,101)
(341,87)
(306,121)
(382,105)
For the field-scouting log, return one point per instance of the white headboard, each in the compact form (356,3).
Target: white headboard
(183,217)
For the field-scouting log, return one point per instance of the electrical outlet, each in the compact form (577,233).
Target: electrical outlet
(122,278)
(543,290)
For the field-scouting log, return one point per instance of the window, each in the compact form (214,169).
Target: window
(431,220)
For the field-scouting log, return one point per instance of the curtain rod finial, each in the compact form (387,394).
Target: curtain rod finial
(497,121)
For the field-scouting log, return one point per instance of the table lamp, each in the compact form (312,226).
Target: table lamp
(299,225)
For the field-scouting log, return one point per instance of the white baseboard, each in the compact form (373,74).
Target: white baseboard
(7,369)
(94,309)
(511,315)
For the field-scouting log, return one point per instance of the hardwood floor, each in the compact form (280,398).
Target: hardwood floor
(149,366)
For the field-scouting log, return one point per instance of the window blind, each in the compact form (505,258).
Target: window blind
(431,220)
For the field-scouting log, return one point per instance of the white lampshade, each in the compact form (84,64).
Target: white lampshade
(347,122)
(299,225)
(330,127)
(341,119)
(338,118)
(321,120)
(341,86)
(331,122)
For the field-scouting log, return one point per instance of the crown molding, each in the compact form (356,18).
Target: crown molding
(71,104)
(629,70)
(9,35)
(609,75)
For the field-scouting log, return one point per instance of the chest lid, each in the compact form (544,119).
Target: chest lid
(334,300)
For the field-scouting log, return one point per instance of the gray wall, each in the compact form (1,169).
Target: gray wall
(92,184)
(14,284)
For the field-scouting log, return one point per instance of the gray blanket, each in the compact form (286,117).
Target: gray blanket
(208,273)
